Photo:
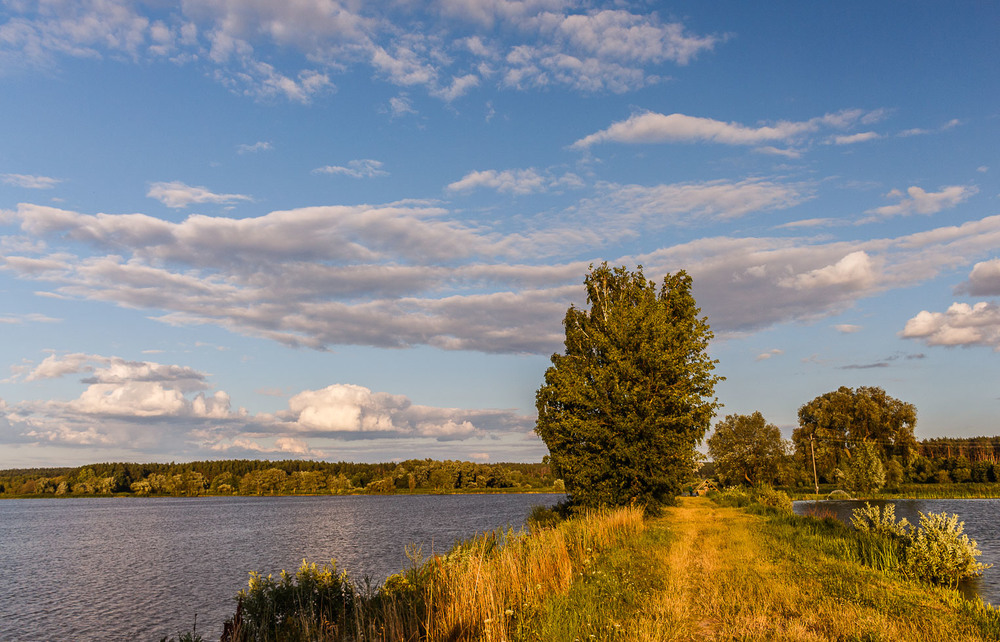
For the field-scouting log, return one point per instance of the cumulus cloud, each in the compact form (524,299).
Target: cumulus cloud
(984,280)
(960,325)
(176,194)
(140,405)
(652,127)
(350,410)
(416,273)
(29,181)
(363,168)
(918,201)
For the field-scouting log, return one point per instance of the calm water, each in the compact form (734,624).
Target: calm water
(140,569)
(981,517)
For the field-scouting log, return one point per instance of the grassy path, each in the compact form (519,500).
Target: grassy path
(704,572)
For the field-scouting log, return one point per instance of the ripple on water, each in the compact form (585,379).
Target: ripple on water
(140,569)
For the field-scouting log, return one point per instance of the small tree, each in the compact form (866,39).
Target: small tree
(747,449)
(623,408)
(865,474)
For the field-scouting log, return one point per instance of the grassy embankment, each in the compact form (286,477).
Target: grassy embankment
(699,572)
(911,491)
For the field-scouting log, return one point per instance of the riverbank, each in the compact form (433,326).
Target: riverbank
(909,491)
(698,572)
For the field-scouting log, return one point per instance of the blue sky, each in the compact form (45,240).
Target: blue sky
(350,230)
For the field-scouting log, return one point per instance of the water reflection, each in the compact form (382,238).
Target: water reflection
(980,517)
(140,569)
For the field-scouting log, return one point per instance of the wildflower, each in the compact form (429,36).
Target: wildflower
(509,612)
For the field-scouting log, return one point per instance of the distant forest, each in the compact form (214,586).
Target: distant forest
(293,477)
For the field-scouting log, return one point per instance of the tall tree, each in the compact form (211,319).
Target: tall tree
(623,409)
(844,418)
(747,449)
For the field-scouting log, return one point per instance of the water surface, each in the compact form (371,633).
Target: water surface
(141,568)
(980,517)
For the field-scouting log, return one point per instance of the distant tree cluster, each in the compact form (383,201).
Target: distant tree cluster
(256,477)
(857,439)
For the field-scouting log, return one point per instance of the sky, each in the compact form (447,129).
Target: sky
(350,230)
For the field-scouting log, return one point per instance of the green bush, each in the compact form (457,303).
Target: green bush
(935,551)
(310,605)
(872,519)
(940,553)
(777,499)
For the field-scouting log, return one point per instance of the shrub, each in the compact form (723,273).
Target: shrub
(872,519)
(778,499)
(936,551)
(311,604)
(940,553)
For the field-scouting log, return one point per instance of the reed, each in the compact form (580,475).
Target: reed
(491,587)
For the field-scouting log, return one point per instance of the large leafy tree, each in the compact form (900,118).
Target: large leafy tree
(747,449)
(623,408)
(836,422)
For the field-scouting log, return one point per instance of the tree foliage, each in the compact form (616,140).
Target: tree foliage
(866,473)
(623,408)
(747,449)
(844,418)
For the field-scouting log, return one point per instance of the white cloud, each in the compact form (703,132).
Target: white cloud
(259,146)
(29,181)
(775,151)
(860,137)
(856,271)
(660,205)
(258,48)
(515,181)
(774,352)
(400,106)
(651,127)
(176,194)
(918,201)
(415,273)
(363,168)
(984,280)
(848,328)
(146,406)
(20,319)
(961,325)
(344,409)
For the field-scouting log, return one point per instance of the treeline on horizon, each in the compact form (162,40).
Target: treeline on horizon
(289,477)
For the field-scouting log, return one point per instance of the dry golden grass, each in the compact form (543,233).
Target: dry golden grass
(730,575)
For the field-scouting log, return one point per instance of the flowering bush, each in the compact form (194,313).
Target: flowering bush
(935,551)
(940,553)
(872,519)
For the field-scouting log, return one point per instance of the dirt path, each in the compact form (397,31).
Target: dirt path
(724,575)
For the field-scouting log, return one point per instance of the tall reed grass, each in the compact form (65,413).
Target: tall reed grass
(490,587)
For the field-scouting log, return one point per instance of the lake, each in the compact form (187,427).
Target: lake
(142,568)
(980,517)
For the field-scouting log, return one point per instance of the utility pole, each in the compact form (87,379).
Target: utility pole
(812,447)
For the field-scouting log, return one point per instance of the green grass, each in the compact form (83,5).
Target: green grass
(910,491)
(699,572)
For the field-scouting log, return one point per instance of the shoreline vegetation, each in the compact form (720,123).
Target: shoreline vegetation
(278,478)
(702,570)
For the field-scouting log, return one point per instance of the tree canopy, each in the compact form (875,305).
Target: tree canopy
(844,418)
(747,449)
(623,408)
